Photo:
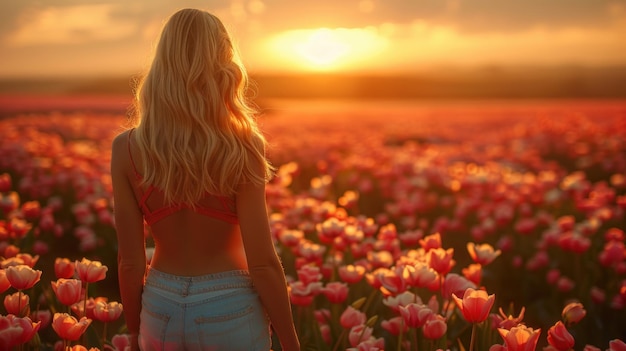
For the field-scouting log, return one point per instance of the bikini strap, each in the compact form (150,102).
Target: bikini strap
(137,175)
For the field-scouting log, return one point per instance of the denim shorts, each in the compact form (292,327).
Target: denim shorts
(213,312)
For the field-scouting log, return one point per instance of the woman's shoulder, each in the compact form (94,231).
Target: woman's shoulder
(120,146)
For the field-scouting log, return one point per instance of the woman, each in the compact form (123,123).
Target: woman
(194,168)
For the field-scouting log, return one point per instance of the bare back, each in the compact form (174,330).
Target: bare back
(189,243)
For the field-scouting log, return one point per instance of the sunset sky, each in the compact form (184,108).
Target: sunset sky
(62,38)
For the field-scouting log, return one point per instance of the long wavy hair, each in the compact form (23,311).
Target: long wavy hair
(195,130)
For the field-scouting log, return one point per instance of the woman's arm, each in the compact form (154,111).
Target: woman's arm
(130,236)
(264,265)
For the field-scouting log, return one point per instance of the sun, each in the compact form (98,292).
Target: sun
(326,49)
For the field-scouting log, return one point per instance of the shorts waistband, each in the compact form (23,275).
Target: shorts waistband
(198,278)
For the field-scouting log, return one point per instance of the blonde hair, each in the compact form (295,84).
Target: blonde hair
(195,131)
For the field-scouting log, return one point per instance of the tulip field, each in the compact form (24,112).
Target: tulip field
(468,225)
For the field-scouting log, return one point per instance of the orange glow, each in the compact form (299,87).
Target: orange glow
(326,49)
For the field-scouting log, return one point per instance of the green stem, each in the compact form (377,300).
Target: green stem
(473,337)
(339,340)
(400,335)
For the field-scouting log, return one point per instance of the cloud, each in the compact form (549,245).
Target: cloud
(77,24)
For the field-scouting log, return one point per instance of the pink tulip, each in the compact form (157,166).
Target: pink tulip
(10,333)
(359,333)
(22,277)
(482,254)
(473,273)
(441,260)
(617,345)
(335,292)
(573,313)
(402,299)
(79,307)
(107,312)
(591,348)
(475,305)
(121,341)
(17,304)
(455,284)
(301,294)
(352,317)
(309,274)
(27,259)
(395,325)
(322,316)
(43,316)
(31,210)
(415,315)
(435,327)
(507,321)
(432,241)
(520,338)
(351,274)
(4,282)
(5,182)
(63,268)
(68,328)
(90,271)
(565,284)
(68,291)
(420,275)
(29,329)
(560,338)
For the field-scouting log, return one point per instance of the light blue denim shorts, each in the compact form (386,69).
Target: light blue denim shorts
(213,312)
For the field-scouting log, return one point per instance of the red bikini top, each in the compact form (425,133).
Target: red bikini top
(153,216)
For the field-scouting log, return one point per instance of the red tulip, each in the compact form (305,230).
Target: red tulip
(475,305)
(68,328)
(520,338)
(68,291)
(90,271)
(22,277)
(441,260)
(63,268)
(559,337)
(435,327)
